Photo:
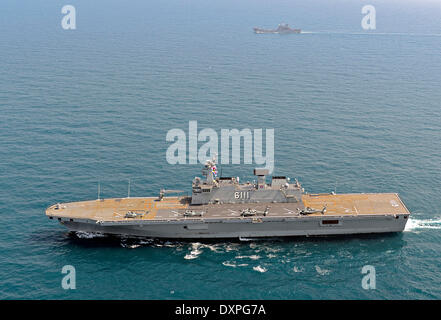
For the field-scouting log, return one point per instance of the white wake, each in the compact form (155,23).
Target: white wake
(419,224)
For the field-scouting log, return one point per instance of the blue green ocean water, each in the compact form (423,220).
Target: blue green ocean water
(353,109)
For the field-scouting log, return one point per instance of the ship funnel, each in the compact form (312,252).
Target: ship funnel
(261,172)
(261,177)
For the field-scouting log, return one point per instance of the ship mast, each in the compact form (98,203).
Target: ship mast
(210,170)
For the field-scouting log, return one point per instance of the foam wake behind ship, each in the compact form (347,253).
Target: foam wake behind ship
(222,207)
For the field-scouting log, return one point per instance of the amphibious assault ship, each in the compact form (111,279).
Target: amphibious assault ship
(282,28)
(222,207)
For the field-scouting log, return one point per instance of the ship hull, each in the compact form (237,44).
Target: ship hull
(276,31)
(265,31)
(247,227)
(337,214)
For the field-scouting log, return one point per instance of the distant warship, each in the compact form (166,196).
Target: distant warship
(222,207)
(281,29)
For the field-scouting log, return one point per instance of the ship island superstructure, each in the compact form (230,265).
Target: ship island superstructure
(222,207)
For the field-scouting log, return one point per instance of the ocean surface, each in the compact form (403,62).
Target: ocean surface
(352,110)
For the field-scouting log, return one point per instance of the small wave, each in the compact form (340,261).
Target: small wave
(247,239)
(88,235)
(252,257)
(146,242)
(130,246)
(296,269)
(195,251)
(233,264)
(192,255)
(229,264)
(132,243)
(231,247)
(260,269)
(213,248)
(417,224)
(270,249)
(170,244)
(322,272)
(162,245)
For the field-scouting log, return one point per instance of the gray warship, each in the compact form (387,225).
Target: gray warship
(222,207)
(282,28)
